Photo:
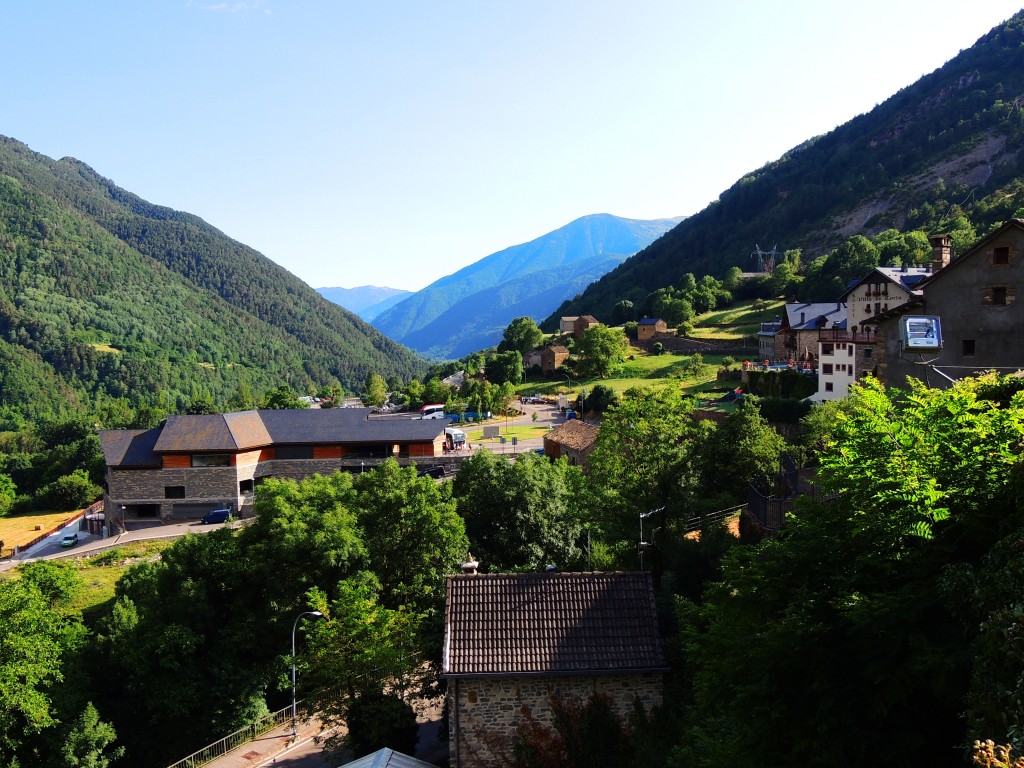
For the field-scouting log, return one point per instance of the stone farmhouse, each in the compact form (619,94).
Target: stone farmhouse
(574,440)
(193,464)
(974,298)
(551,358)
(565,324)
(512,641)
(650,327)
(582,324)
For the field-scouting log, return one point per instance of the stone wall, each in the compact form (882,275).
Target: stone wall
(490,709)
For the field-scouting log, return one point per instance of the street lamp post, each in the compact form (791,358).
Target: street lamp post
(295,626)
(642,545)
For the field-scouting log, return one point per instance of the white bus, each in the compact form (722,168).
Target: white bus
(432,412)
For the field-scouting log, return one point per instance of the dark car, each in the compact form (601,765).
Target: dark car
(217,516)
(69,540)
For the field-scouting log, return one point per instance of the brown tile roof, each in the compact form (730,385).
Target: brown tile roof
(554,623)
(558,350)
(587,319)
(574,434)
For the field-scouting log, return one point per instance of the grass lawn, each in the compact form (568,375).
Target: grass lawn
(100,573)
(643,371)
(735,322)
(19,530)
(476,434)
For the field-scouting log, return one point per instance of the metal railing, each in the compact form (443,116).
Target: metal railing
(697,522)
(242,736)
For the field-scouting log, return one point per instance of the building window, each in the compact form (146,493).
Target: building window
(1001,254)
(968,347)
(827,349)
(999,295)
(294,452)
(828,386)
(174,491)
(868,353)
(849,351)
(245,486)
(211,460)
(826,369)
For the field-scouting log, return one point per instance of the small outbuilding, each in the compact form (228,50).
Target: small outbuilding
(650,327)
(574,440)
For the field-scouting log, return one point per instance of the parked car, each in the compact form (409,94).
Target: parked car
(216,516)
(69,540)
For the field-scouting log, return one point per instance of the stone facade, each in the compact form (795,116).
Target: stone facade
(490,709)
(974,298)
(209,488)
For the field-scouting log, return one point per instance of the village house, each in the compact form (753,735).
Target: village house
(193,464)
(574,440)
(535,357)
(551,358)
(649,328)
(974,299)
(513,641)
(582,324)
(797,337)
(565,324)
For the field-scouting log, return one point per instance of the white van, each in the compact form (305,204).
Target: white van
(432,412)
(455,439)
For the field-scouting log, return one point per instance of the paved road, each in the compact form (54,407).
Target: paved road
(89,544)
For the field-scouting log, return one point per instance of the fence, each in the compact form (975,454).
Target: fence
(697,522)
(7,552)
(242,736)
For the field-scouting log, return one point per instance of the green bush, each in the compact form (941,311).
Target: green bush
(68,492)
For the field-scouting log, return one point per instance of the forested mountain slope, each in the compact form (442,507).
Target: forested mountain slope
(469,309)
(117,297)
(946,146)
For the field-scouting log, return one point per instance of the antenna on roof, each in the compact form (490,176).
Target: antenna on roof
(765,259)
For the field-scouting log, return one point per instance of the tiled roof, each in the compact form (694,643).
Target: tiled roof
(558,350)
(555,623)
(574,434)
(587,318)
(807,316)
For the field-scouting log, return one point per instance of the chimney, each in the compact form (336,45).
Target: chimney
(942,249)
(469,567)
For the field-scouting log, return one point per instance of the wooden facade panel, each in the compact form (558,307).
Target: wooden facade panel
(248,458)
(427,449)
(328,452)
(176,461)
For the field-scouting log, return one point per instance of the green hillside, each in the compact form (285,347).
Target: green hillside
(947,146)
(103,295)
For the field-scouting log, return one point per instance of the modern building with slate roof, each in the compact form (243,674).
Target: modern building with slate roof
(513,641)
(196,463)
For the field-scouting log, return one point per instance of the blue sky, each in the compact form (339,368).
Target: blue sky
(392,143)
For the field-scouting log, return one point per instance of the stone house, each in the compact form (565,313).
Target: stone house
(649,328)
(513,641)
(566,323)
(797,336)
(534,357)
(551,358)
(882,289)
(193,464)
(582,324)
(974,299)
(574,439)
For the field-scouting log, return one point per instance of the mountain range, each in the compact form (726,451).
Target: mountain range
(947,146)
(468,310)
(367,301)
(105,296)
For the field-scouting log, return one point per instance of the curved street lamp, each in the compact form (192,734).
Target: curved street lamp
(295,626)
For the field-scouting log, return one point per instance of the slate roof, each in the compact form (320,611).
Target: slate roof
(574,434)
(550,623)
(249,430)
(828,313)
(129,447)
(650,321)
(909,277)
